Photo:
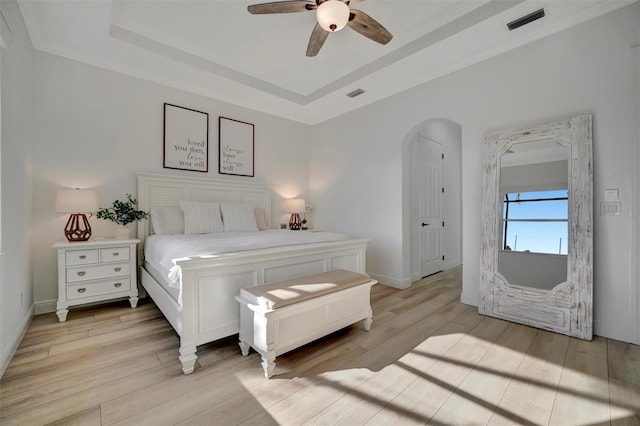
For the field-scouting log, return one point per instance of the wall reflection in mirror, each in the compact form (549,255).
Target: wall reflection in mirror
(533,235)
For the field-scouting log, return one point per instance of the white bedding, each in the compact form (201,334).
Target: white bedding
(163,251)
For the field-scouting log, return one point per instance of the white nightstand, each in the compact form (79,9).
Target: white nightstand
(94,271)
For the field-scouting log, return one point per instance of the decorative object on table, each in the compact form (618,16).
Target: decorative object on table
(77,202)
(186,139)
(304,222)
(122,213)
(295,206)
(236,147)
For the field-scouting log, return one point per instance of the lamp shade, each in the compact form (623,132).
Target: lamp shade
(296,205)
(76,201)
(333,15)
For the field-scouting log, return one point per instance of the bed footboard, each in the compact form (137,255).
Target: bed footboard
(209,310)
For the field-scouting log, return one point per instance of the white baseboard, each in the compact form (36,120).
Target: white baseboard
(468,300)
(417,276)
(452,264)
(615,332)
(46,306)
(406,282)
(392,282)
(11,349)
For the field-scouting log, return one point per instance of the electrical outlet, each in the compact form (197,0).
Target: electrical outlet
(610,208)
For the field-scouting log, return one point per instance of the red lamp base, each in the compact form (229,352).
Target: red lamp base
(295,223)
(78,228)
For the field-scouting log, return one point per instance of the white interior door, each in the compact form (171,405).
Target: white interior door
(431,192)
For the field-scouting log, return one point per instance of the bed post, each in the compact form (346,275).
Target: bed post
(189,332)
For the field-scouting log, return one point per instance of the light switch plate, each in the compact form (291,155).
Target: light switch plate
(611,195)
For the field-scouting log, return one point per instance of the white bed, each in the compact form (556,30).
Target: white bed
(202,306)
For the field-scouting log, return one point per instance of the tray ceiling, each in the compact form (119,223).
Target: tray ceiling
(215,48)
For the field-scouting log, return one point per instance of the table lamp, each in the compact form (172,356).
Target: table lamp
(77,202)
(295,206)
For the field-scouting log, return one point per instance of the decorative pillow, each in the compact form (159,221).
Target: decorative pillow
(167,220)
(238,217)
(261,219)
(201,217)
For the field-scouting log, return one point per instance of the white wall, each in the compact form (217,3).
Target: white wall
(16,297)
(536,270)
(587,69)
(636,205)
(97,128)
(534,177)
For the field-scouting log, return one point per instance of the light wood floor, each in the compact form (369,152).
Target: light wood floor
(427,359)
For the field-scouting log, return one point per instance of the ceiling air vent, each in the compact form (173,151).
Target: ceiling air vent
(355,93)
(525,19)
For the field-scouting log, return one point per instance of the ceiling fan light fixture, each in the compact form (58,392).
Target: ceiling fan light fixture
(333,15)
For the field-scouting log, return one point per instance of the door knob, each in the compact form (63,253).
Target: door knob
(425,224)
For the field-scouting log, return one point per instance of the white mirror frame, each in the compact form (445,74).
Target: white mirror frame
(568,307)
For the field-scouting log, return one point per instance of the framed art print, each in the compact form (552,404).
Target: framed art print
(236,147)
(186,139)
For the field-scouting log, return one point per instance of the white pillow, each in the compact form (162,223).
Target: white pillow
(167,220)
(261,219)
(238,217)
(201,217)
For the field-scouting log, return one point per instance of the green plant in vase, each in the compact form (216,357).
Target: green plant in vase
(122,213)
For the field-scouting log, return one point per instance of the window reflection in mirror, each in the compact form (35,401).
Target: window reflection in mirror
(534,203)
(535,222)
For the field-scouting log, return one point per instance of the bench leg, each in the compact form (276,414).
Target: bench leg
(244,347)
(268,364)
(188,358)
(368,320)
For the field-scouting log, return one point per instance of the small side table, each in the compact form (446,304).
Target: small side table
(95,271)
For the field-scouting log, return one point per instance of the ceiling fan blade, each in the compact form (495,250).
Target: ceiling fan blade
(290,6)
(318,36)
(369,27)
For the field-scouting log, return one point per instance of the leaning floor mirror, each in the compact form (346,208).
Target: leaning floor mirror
(537,216)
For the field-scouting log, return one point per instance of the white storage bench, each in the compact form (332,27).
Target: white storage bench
(278,317)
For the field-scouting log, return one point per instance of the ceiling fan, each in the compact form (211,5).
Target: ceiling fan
(332,15)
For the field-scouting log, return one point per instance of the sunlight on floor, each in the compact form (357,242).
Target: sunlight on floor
(515,377)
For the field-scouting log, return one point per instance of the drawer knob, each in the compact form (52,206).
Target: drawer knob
(81,273)
(116,254)
(83,256)
(82,290)
(117,269)
(117,285)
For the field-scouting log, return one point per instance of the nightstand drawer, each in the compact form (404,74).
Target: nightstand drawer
(77,291)
(81,257)
(78,274)
(115,254)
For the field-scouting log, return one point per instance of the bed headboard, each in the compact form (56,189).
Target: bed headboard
(155,190)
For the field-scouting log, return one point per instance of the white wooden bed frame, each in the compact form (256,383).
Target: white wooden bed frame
(209,310)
